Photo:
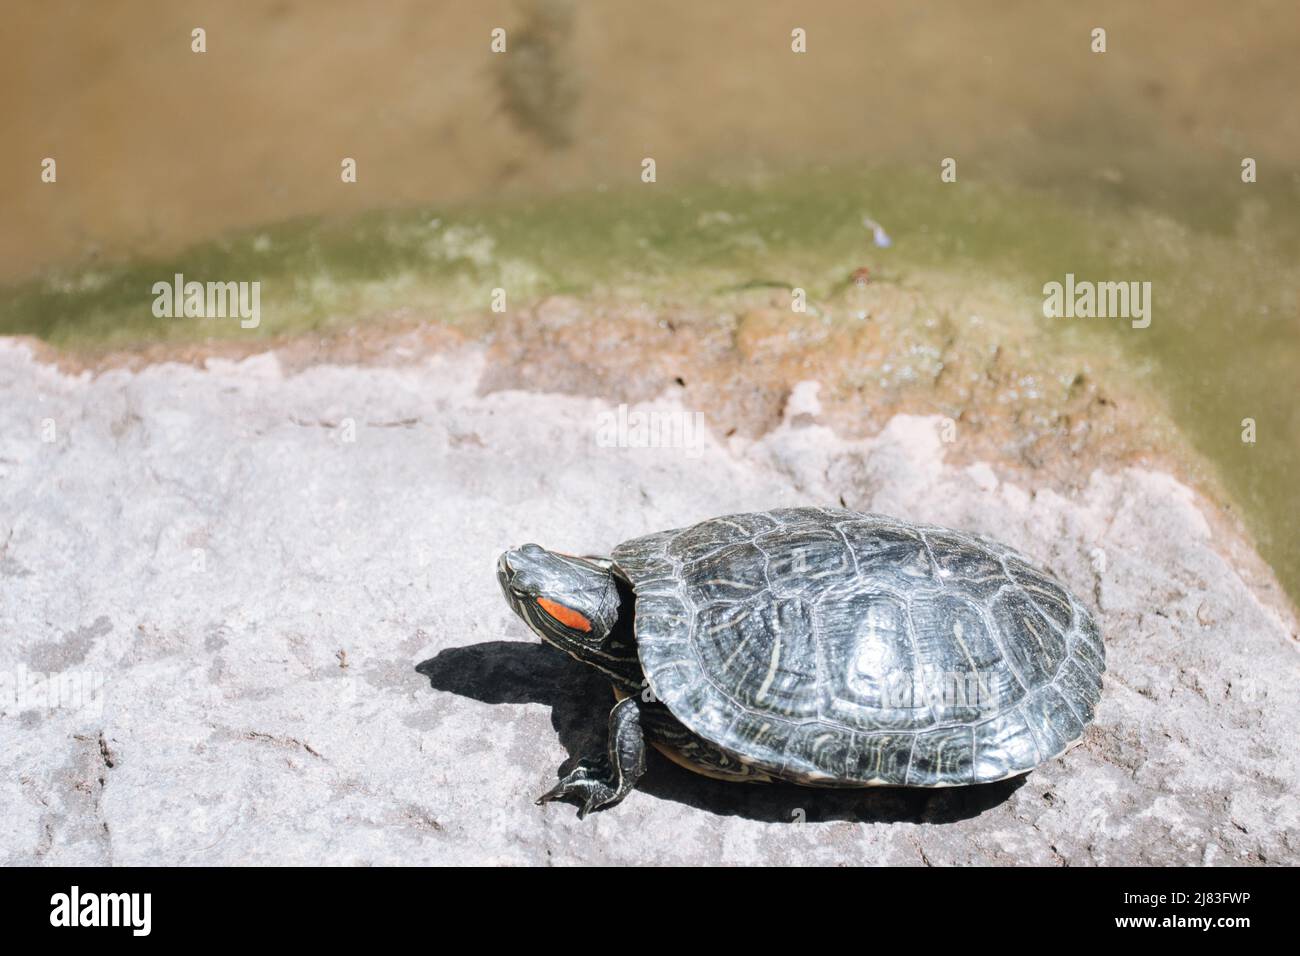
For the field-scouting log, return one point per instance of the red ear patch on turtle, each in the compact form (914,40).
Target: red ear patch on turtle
(566,616)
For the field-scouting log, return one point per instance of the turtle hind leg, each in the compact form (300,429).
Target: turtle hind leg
(604,781)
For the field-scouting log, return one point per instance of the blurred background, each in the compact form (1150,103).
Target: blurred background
(478,170)
(160,147)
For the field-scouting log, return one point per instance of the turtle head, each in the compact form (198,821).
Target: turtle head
(573,603)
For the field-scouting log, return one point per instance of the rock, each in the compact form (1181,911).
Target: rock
(251,617)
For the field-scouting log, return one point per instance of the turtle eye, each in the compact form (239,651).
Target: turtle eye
(565,615)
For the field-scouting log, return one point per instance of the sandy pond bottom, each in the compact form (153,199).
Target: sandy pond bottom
(285,583)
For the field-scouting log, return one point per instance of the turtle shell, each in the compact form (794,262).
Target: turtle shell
(830,647)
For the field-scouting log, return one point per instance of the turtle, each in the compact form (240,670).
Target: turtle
(816,646)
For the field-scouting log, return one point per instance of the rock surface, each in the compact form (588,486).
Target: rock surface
(251,617)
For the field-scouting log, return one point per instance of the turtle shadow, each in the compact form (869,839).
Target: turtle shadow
(788,803)
(515,672)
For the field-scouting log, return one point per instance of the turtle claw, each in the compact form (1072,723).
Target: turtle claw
(590,781)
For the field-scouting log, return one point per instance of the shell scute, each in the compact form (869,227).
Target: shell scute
(692,544)
(975,570)
(732,573)
(891,550)
(762,654)
(965,672)
(945,755)
(1044,592)
(801,560)
(878,759)
(761,740)
(1004,747)
(868,662)
(1050,719)
(1081,686)
(1033,649)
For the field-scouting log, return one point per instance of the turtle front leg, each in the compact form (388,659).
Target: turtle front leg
(605,780)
